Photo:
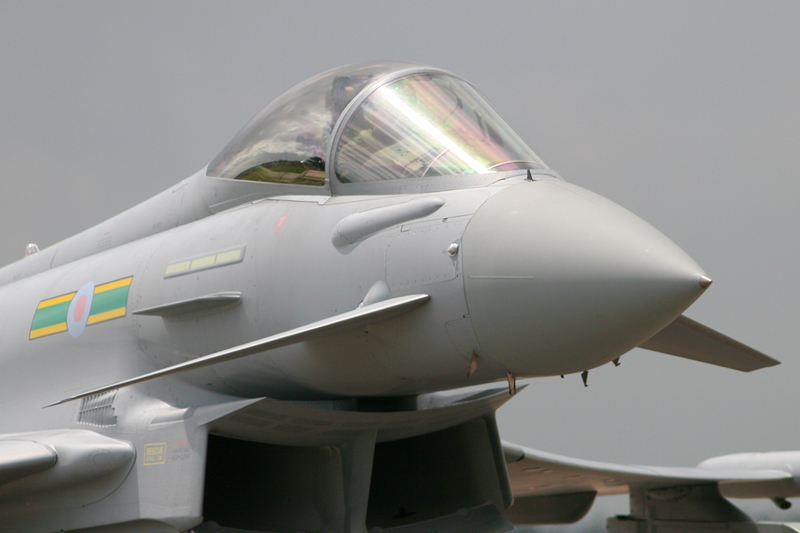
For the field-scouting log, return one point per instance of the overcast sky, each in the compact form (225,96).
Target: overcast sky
(686,113)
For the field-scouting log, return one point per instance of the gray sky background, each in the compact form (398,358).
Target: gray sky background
(686,113)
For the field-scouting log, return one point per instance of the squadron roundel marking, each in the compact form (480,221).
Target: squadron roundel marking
(78,313)
(79,308)
(74,311)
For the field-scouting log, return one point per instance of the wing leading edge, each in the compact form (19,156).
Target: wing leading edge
(359,317)
(551,489)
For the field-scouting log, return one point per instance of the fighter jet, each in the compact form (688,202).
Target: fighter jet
(314,331)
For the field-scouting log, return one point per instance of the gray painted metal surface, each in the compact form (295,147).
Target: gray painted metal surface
(300,354)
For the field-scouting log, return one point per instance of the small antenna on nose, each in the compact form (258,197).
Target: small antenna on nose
(529,178)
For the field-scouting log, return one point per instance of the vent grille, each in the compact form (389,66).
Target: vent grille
(97,410)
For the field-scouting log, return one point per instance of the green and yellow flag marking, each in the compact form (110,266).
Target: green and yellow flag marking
(110,300)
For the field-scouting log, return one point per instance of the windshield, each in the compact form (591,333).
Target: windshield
(286,142)
(393,120)
(429,124)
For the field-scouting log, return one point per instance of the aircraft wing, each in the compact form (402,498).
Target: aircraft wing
(551,489)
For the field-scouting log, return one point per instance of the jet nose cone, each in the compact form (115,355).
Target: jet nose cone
(559,279)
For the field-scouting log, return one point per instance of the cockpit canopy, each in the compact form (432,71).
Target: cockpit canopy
(373,123)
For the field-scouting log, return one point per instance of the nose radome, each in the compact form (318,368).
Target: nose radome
(559,279)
